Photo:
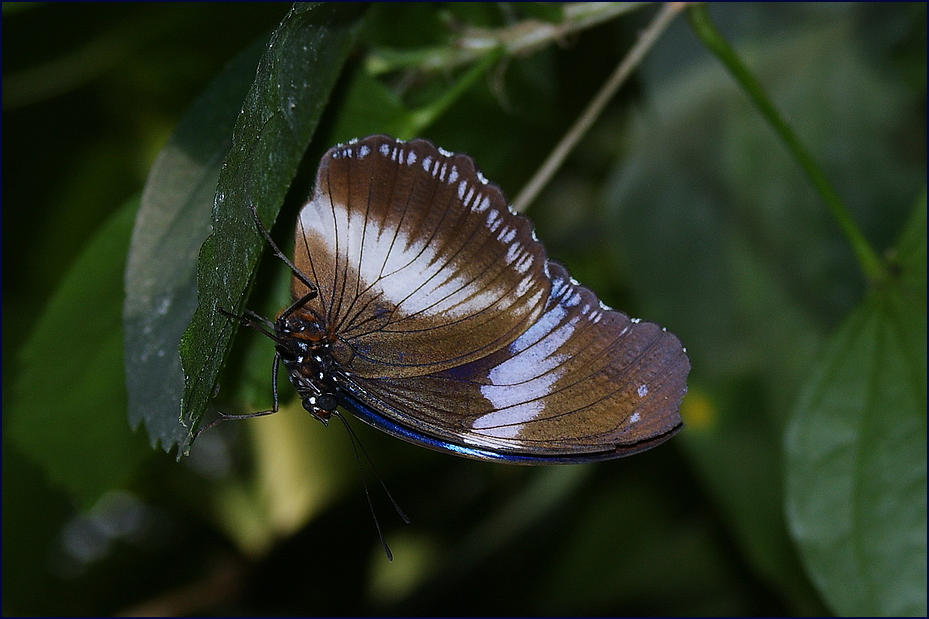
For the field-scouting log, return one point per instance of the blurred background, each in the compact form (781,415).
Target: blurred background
(680,206)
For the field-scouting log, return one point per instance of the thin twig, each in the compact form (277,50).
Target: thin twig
(646,40)
(520,38)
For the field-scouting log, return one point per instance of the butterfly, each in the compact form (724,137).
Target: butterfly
(428,309)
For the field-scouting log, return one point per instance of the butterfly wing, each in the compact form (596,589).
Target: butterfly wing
(419,263)
(582,383)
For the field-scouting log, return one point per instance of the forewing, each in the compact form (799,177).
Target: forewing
(420,264)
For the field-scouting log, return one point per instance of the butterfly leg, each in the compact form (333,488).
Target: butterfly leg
(279,254)
(226,417)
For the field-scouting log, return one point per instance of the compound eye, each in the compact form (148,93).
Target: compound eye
(327,402)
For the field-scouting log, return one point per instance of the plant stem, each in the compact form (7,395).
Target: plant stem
(425,116)
(870,263)
(646,40)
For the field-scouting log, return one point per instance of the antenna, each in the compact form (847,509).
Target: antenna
(356,445)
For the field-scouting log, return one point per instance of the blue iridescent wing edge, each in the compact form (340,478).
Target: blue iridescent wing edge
(382,423)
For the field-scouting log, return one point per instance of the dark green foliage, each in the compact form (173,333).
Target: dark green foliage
(798,485)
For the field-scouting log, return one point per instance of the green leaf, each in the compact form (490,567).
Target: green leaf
(369,108)
(280,114)
(715,254)
(856,450)
(173,221)
(67,413)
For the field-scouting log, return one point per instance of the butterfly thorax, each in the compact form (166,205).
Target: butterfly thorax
(304,345)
